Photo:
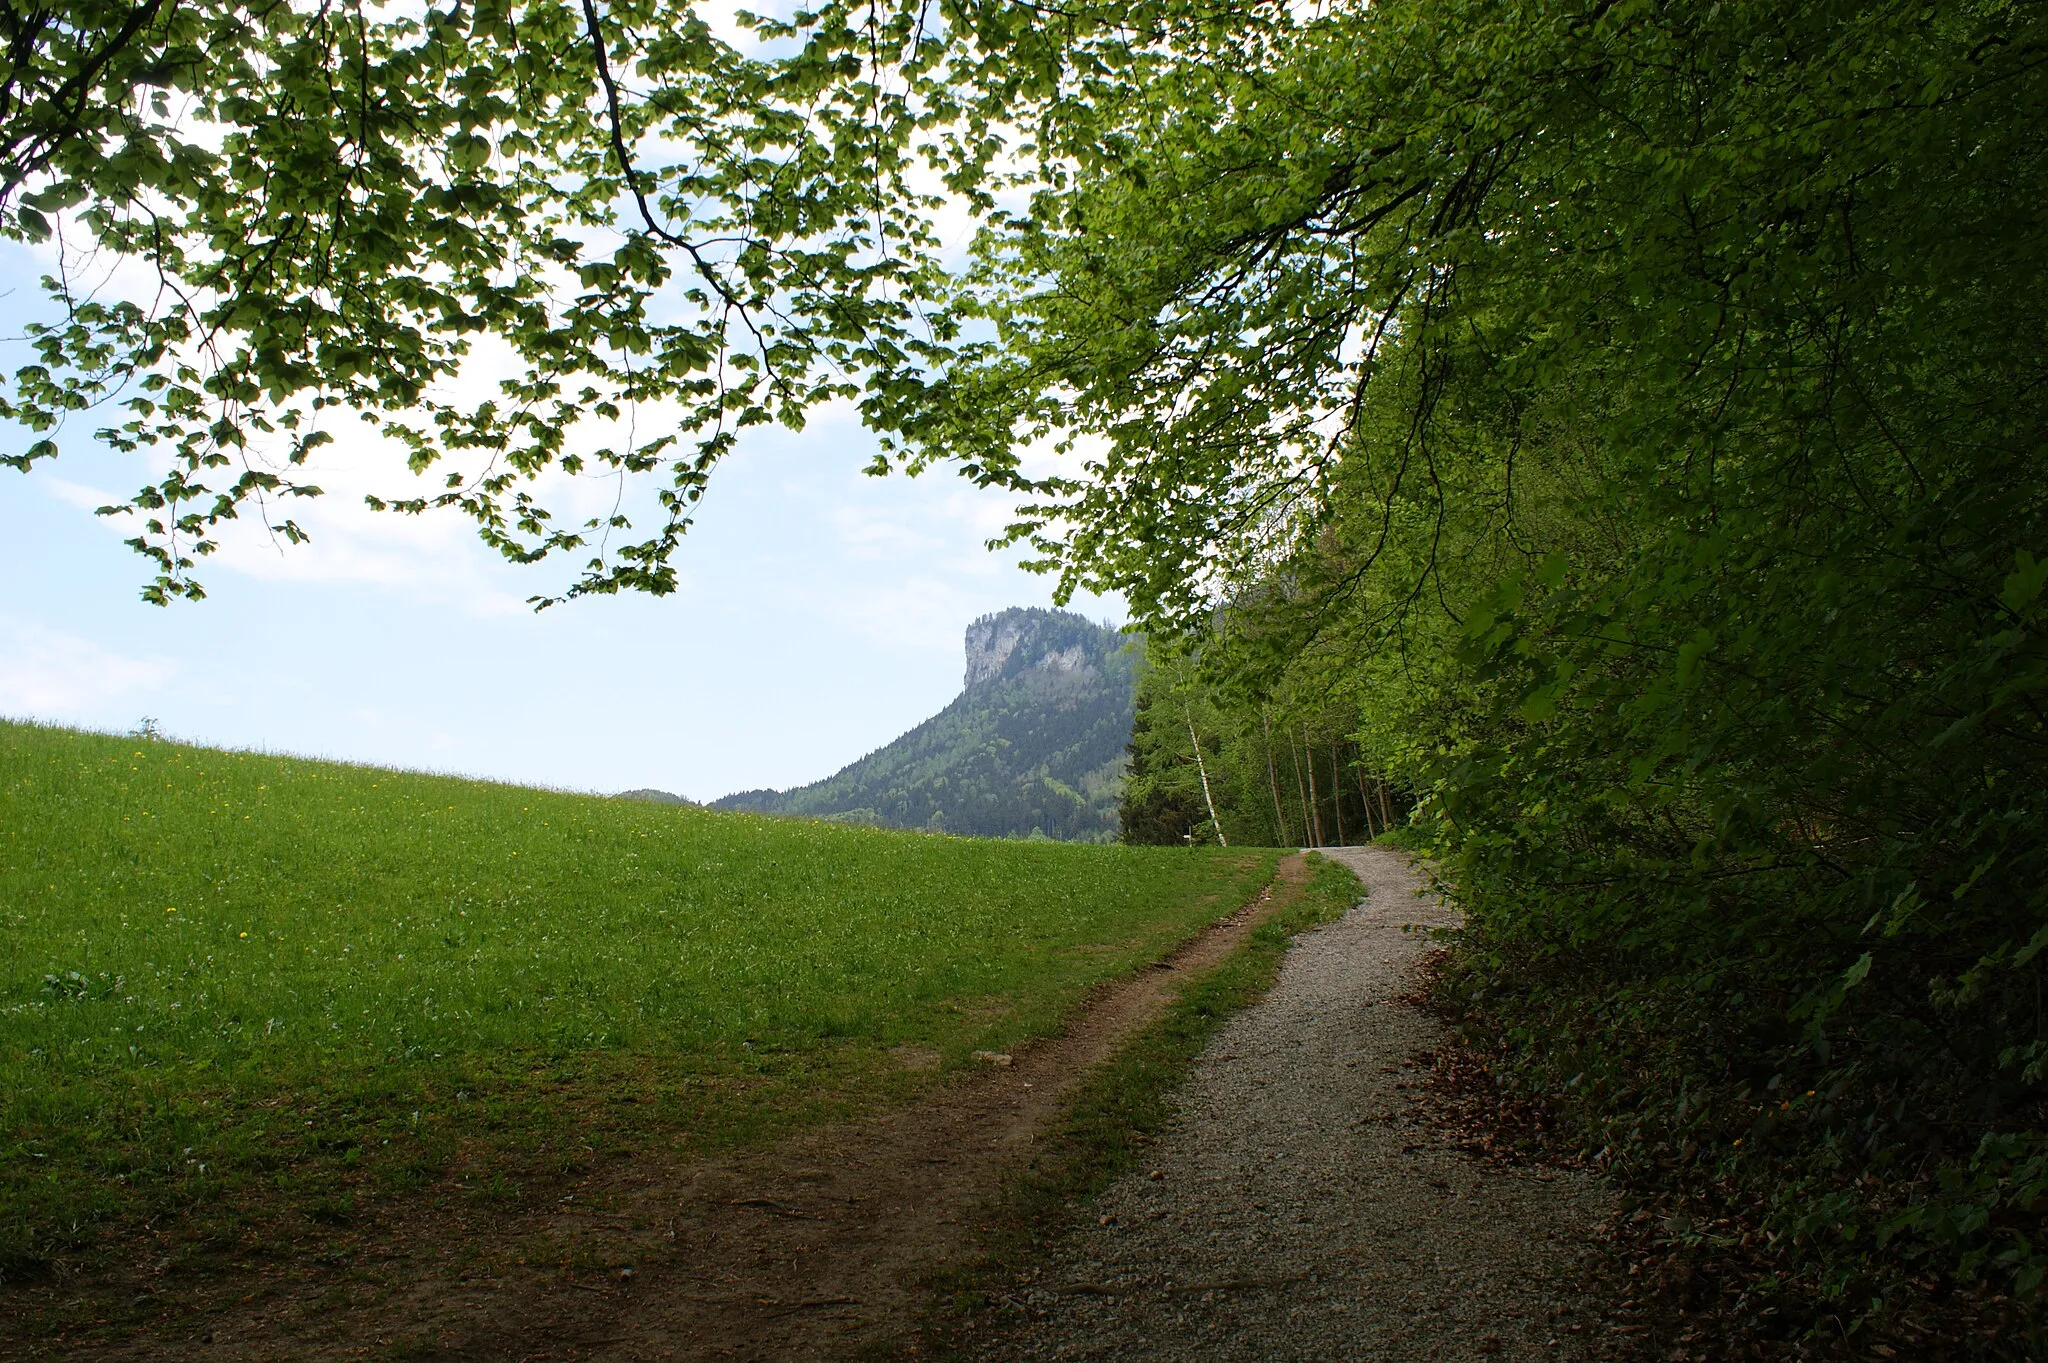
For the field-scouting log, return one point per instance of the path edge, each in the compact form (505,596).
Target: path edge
(1117,1112)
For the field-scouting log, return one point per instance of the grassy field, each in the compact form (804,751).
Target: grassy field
(239,985)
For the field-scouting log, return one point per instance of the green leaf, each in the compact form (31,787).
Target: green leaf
(2023,586)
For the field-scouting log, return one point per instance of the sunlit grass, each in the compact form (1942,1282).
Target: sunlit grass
(227,964)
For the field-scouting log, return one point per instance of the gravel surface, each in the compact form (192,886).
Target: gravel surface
(1301,1208)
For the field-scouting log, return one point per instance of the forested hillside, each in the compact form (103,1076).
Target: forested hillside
(1034,743)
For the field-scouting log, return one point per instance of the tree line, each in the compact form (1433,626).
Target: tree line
(1206,769)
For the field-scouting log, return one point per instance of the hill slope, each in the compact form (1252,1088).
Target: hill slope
(267,992)
(1034,743)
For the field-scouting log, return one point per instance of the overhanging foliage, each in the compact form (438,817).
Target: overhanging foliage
(1635,415)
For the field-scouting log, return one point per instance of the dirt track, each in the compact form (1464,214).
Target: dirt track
(818,1247)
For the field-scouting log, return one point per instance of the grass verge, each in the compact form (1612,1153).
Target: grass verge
(1122,1107)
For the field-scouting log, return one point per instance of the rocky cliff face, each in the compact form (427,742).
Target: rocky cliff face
(990,642)
(1021,640)
(1034,743)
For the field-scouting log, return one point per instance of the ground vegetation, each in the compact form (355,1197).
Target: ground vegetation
(250,1000)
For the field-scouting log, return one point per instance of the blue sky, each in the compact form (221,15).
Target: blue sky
(820,615)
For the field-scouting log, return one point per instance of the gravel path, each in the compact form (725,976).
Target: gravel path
(1299,1211)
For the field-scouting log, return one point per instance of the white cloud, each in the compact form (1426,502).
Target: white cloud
(76,494)
(869,536)
(49,675)
(923,612)
(926,521)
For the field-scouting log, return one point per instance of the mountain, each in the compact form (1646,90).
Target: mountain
(1033,745)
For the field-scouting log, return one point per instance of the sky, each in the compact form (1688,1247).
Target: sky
(820,615)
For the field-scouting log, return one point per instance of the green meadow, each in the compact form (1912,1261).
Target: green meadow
(243,991)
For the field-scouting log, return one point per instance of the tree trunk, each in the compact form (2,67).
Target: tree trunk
(1203,768)
(1365,799)
(1273,780)
(1300,794)
(1337,792)
(1315,801)
(1383,803)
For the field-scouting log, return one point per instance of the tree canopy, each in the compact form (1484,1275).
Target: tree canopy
(343,208)
(1624,422)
